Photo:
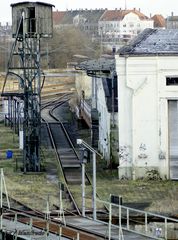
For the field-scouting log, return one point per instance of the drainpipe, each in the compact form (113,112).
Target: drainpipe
(132,119)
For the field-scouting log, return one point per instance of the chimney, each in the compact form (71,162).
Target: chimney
(134,9)
(150,15)
(139,9)
(172,14)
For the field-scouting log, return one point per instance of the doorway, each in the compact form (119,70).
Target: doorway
(173,138)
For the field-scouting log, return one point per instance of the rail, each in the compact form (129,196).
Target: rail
(54,104)
(151,225)
(24,224)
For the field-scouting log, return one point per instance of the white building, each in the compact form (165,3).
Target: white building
(147,72)
(123,24)
(108,113)
(105,104)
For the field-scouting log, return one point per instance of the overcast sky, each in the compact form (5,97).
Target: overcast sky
(164,7)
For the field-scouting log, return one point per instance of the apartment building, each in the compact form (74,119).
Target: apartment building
(123,24)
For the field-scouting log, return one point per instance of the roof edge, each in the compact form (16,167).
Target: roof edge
(126,50)
(27,2)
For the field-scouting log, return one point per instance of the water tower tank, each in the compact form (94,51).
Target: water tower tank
(31,19)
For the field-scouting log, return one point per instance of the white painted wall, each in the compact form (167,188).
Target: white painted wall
(143,113)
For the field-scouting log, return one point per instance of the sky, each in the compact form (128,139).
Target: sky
(164,7)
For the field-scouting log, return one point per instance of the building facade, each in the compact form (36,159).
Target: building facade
(104,106)
(147,71)
(123,24)
(172,21)
(84,19)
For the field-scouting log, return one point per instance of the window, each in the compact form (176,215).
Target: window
(31,23)
(131,25)
(171,81)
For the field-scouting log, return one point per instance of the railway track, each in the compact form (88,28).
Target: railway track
(59,140)
(38,223)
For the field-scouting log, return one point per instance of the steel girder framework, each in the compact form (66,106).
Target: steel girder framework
(24,63)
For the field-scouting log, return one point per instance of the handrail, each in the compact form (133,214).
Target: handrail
(160,229)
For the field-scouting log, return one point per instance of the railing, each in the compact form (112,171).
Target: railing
(140,222)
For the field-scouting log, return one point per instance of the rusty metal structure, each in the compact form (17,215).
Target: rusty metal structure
(31,21)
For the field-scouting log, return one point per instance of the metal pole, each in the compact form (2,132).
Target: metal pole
(60,196)
(1,198)
(47,209)
(47,56)
(165,228)
(60,232)
(81,142)
(110,220)
(121,236)
(112,95)
(128,219)
(5,189)
(94,186)
(125,4)
(146,223)
(83,189)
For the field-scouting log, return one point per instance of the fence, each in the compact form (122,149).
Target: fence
(140,222)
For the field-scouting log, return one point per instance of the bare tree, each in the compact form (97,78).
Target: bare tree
(66,44)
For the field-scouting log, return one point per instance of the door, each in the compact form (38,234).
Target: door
(173,138)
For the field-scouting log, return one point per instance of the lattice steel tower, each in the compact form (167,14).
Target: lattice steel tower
(31,21)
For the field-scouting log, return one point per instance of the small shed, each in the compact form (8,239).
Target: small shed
(31,19)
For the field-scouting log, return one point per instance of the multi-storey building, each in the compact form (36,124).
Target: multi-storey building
(172,21)
(86,20)
(123,24)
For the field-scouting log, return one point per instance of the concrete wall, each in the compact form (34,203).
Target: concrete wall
(143,113)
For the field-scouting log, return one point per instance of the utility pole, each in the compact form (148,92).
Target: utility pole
(125,4)
(83,188)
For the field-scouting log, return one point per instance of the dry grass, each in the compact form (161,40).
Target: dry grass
(34,189)
(31,189)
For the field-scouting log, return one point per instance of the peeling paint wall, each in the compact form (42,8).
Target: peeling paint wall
(83,83)
(143,112)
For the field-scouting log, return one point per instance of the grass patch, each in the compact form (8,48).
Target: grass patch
(31,189)
(34,189)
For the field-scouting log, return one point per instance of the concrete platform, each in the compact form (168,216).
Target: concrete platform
(25,232)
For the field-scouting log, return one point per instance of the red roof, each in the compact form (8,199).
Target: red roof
(159,21)
(118,15)
(58,16)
